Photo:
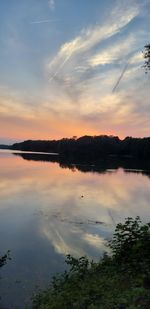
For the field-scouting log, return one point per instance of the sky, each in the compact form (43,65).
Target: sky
(73,68)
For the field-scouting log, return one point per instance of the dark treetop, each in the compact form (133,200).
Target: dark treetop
(90,148)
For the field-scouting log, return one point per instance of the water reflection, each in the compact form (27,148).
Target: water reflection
(47,211)
(103,165)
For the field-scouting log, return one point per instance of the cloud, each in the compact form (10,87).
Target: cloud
(88,67)
(95,241)
(137,58)
(115,53)
(44,21)
(91,37)
(21,120)
(93,60)
(82,73)
(133,61)
(51,4)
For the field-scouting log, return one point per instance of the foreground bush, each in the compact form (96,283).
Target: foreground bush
(4,258)
(121,280)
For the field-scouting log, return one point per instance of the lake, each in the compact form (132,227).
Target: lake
(48,210)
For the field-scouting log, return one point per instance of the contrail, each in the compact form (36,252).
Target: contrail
(44,21)
(120,77)
(60,67)
(111,216)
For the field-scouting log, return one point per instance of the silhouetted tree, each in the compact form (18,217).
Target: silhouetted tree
(147,58)
(4,258)
(90,148)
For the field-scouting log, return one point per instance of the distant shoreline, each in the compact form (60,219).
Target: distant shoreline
(28,152)
(88,148)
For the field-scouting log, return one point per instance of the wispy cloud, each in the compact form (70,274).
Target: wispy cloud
(115,53)
(82,73)
(51,4)
(44,21)
(77,69)
(91,37)
(87,68)
(135,59)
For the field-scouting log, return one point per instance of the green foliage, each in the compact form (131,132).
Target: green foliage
(131,244)
(121,280)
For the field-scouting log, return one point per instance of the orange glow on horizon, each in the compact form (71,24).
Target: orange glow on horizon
(47,129)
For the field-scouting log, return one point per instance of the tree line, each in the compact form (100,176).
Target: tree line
(90,147)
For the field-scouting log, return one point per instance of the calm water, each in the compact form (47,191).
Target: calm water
(47,211)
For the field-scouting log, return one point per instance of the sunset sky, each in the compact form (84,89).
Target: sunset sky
(73,67)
